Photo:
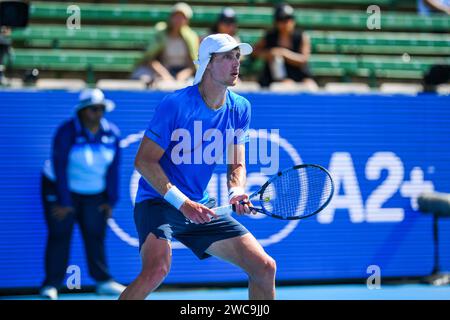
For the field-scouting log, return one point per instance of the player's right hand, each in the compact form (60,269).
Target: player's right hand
(196,212)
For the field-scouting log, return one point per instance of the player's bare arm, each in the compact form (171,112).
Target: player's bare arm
(236,178)
(147,164)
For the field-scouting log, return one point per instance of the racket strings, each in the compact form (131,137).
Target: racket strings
(297,192)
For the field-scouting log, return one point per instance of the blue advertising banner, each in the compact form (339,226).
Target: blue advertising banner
(382,151)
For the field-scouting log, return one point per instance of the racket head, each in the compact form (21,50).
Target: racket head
(296,193)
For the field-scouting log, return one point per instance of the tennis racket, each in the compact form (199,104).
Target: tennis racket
(295,193)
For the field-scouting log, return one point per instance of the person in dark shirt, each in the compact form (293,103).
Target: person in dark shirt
(285,50)
(226,23)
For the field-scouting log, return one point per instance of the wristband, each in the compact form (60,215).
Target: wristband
(175,197)
(235,191)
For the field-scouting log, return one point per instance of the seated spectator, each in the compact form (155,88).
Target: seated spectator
(427,7)
(437,74)
(226,23)
(286,51)
(170,56)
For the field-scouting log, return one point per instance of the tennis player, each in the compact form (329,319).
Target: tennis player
(172,200)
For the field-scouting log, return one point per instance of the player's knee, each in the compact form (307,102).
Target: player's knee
(266,269)
(270,267)
(155,273)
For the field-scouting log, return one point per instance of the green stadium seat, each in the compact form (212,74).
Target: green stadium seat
(248,16)
(113,35)
(340,3)
(322,41)
(321,64)
(76,60)
(380,42)
(57,36)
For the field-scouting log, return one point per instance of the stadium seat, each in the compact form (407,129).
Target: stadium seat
(78,60)
(113,35)
(89,36)
(340,3)
(443,89)
(289,87)
(165,85)
(247,15)
(333,65)
(380,42)
(401,88)
(121,84)
(66,84)
(122,62)
(12,83)
(334,87)
(246,86)
(322,41)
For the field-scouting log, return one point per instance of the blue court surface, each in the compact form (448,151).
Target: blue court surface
(304,292)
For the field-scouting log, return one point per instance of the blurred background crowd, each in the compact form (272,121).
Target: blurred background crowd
(352,46)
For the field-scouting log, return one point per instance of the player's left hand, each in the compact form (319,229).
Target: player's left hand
(242,208)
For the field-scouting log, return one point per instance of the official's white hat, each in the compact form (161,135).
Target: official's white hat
(217,43)
(89,97)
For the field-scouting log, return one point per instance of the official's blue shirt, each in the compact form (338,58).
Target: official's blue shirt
(194,139)
(85,163)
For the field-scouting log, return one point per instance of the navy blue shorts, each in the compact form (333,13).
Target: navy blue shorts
(159,217)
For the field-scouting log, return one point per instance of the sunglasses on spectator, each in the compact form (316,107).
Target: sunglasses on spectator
(97,108)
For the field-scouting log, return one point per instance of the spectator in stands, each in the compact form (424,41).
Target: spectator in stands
(170,56)
(436,75)
(226,23)
(80,184)
(427,7)
(5,48)
(286,51)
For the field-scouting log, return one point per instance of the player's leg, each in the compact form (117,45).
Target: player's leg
(154,234)
(246,252)
(156,255)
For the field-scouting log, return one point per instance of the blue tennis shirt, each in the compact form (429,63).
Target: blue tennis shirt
(195,139)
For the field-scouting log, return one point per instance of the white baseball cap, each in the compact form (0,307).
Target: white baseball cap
(216,43)
(89,97)
(184,8)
